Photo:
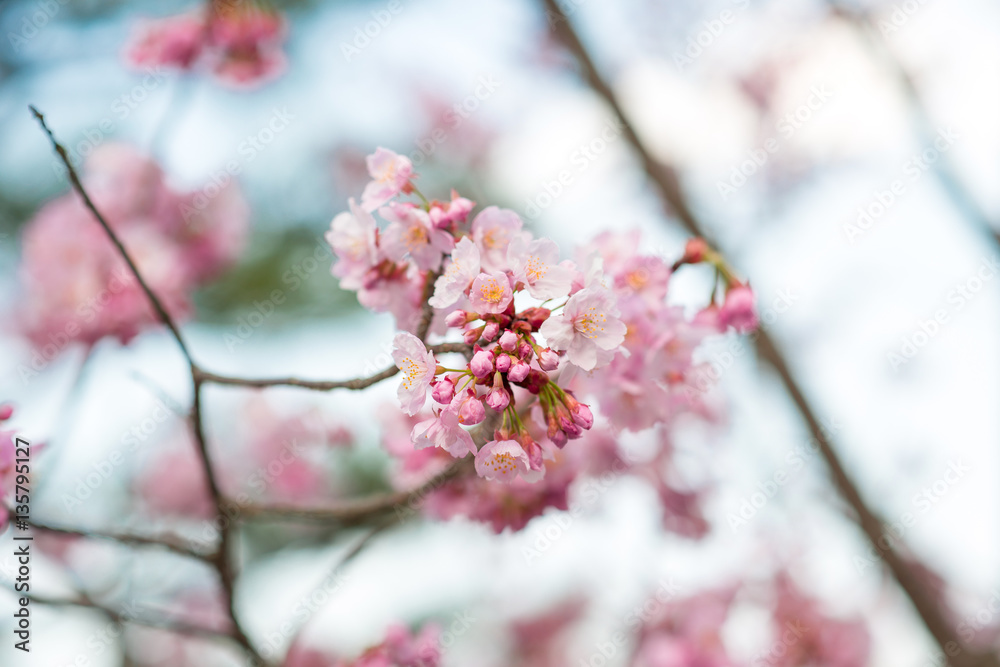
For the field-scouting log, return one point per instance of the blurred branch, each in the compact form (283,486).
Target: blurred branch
(862,22)
(74,178)
(362,509)
(325,385)
(665,179)
(168,541)
(170,625)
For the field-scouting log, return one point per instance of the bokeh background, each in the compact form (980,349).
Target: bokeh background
(850,105)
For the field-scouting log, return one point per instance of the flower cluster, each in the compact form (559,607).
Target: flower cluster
(533,321)
(76,286)
(240,42)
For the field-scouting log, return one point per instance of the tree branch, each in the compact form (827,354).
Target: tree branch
(168,541)
(665,179)
(74,178)
(325,385)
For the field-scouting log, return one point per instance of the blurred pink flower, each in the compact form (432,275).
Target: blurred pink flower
(76,287)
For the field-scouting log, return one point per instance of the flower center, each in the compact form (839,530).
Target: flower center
(592,322)
(502,463)
(536,269)
(491,291)
(416,236)
(411,371)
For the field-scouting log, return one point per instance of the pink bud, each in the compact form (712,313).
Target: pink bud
(503,363)
(444,391)
(481,364)
(583,416)
(508,341)
(525,352)
(6,411)
(533,450)
(491,330)
(471,411)
(456,318)
(738,310)
(518,371)
(548,360)
(472,335)
(498,399)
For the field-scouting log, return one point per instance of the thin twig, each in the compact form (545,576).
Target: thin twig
(666,181)
(168,541)
(324,385)
(74,178)
(168,624)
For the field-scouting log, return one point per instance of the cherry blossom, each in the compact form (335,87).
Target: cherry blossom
(501,460)
(536,264)
(493,229)
(457,278)
(390,174)
(446,432)
(352,237)
(588,328)
(491,293)
(417,364)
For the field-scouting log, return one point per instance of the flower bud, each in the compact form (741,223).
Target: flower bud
(444,391)
(503,363)
(472,335)
(456,318)
(471,410)
(548,360)
(518,371)
(491,330)
(508,341)
(525,352)
(481,364)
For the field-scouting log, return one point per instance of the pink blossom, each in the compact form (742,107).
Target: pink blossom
(461,271)
(247,45)
(390,174)
(490,293)
(501,460)
(76,286)
(482,363)
(738,310)
(492,230)
(447,214)
(588,328)
(536,264)
(175,41)
(418,366)
(444,431)
(411,234)
(352,237)
(470,408)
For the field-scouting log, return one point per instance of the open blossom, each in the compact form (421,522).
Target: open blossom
(446,432)
(418,366)
(490,293)
(411,234)
(536,264)
(502,460)
(352,237)
(493,229)
(390,175)
(588,328)
(462,270)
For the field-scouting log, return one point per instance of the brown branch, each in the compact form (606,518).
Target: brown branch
(360,510)
(324,385)
(168,624)
(863,23)
(74,178)
(426,310)
(665,179)
(168,541)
